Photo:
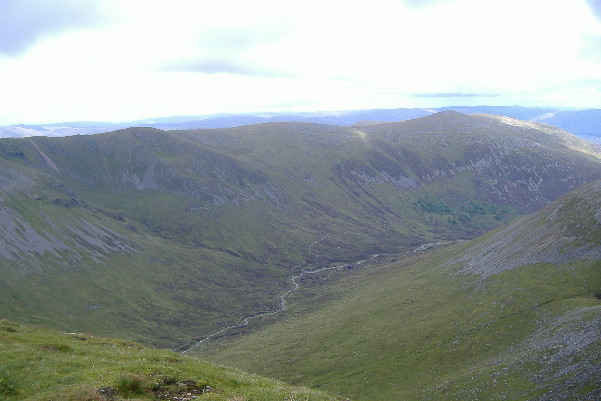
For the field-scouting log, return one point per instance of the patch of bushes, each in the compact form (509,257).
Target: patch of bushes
(9,327)
(58,347)
(8,387)
(131,384)
(463,214)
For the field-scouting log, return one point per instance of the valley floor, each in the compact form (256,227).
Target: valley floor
(411,327)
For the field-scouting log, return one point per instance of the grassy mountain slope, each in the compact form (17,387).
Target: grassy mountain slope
(208,224)
(434,166)
(43,365)
(514,314)
(73,265)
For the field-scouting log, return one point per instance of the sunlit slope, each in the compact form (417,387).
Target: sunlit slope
(163,236)
(43,365)
(514,314)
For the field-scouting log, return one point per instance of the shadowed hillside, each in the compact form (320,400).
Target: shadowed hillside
(209,224)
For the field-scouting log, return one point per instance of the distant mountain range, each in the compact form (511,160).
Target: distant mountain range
(584,123)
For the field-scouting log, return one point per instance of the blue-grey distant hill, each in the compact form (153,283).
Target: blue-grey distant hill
(584,123)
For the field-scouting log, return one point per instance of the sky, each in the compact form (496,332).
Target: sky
(125,60)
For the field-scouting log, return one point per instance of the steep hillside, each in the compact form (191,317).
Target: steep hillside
(514,314)
(72,265)
(567,230)
(42,365)
(209,224)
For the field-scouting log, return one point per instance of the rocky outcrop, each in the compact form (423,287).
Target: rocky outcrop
(567,230)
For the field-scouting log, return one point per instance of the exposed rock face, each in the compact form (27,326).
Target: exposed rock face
(567,230)
(17,237)
(19,240)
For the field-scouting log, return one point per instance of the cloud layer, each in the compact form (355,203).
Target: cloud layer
(24,22)
(595,6)
(124,60)
(455,94)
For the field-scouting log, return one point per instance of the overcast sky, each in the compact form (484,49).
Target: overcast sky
(120,60)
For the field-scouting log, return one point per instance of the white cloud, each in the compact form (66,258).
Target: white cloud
(195,57)
(25,22)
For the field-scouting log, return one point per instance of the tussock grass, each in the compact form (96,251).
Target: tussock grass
(100,369)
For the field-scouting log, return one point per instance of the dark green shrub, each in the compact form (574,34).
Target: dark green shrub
(130,384)
(9,329)
(58,347)
(8,387)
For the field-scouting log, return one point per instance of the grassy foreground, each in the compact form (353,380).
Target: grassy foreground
(43,365)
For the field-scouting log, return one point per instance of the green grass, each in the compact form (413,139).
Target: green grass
(44,365)
(180,290)
(221,217)
(413,330)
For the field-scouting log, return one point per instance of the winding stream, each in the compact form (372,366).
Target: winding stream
(283,304)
